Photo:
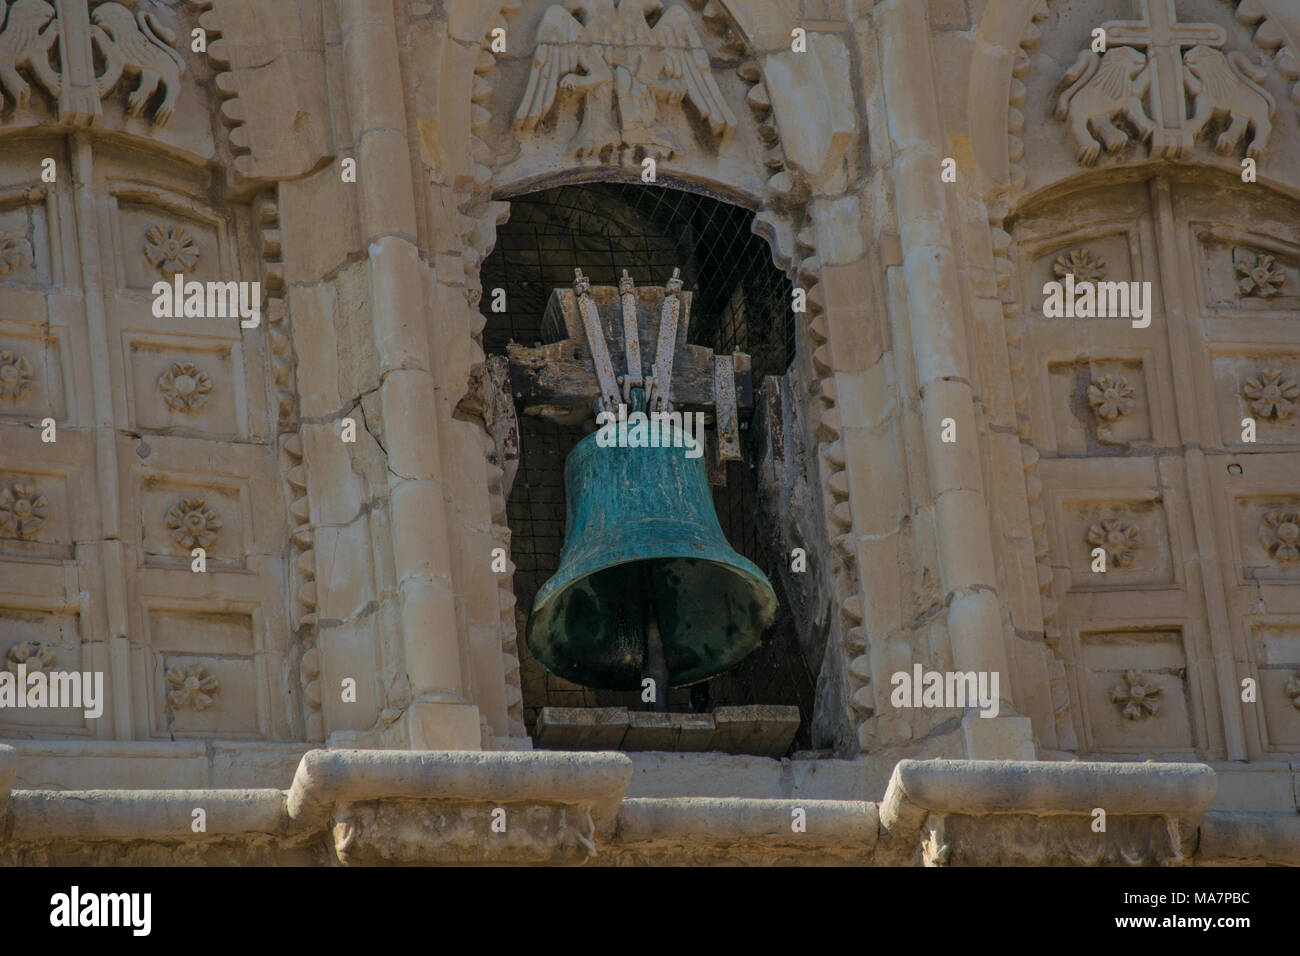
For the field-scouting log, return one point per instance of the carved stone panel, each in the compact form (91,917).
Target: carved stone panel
(1108,251)
(158,243)
(1246,277)
(1134,685)
(1262,385)
(207,677)
(205,696)
(1131,533)
(36,519)
(1275,642)
(24,244)
(46,641)
(184,384)
(1268,533)
(1101,406)
(32,375)
(178,515)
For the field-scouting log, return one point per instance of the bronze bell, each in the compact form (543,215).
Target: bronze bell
(647,582)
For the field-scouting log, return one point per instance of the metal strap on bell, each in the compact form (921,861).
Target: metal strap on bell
(647,582)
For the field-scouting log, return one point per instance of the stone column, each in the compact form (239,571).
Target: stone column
(439,717)
(938,324)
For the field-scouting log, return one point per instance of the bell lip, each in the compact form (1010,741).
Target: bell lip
(740,651)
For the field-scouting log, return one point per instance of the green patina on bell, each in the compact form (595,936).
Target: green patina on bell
(640,527)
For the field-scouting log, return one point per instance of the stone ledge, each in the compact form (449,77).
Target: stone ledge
(91,764)
(1014,812)
(39,816)
(386,807)
(846,824)
(1242,837)
(1010,786)
(326,778)
(383,807)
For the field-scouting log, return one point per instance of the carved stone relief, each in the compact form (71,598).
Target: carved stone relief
(23,509)
(25,44)
(1158,51)
(191,687)
(170,249)
(617,65)
(1279,532)
(1135,691)
(193,524)
(1120,540)
(35,655)
(15,251)
(1259,276)
(137,46)
(184,387)
(1136,697)
(1081,264)
(1110,398)
(1272,395)
(127,45)
(15,375)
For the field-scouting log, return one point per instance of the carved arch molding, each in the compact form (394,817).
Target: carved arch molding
(705,90)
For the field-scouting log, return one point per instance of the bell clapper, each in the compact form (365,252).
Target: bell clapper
(656,665)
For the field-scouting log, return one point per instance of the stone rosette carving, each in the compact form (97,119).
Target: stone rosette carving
(1110,398)
(191,687)
(1137,698)
(22,509)
(1272,395)
(170,249)
(193,524)
(34,654)
(1259,277)
(1279,532)
(1121,541)
(15,375)
(1080,263)
(184,387)
(15,251)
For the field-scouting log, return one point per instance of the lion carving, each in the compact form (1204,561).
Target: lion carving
(138,46)
(25,43)
(1228,86)
(1102,88)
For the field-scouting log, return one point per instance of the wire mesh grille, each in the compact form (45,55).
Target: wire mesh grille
(741,303)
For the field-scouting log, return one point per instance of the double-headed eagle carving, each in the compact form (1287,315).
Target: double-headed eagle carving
(618,63)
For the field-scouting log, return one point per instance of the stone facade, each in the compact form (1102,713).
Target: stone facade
(274,537)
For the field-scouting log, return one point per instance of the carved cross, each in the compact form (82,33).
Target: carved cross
(1164,38)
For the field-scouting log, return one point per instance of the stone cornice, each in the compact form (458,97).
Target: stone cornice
(370,807)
